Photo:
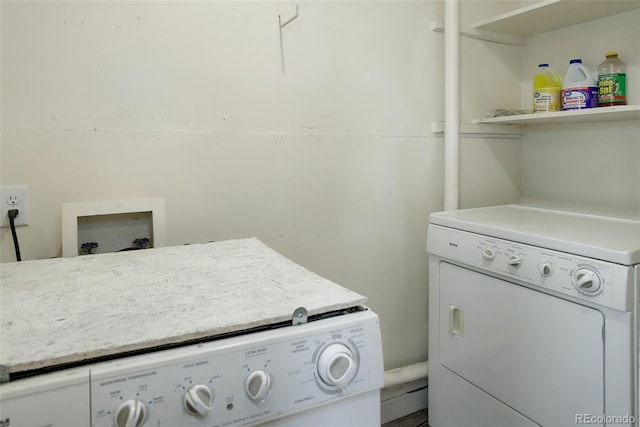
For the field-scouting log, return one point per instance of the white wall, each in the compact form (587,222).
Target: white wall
(329,161)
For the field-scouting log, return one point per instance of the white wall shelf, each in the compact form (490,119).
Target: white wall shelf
(601,114)
(551,15)
(472,33)
(473,130)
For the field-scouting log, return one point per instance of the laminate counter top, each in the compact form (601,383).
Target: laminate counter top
(67,310)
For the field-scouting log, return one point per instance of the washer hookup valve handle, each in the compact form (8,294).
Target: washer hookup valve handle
(141,243)
(88,247)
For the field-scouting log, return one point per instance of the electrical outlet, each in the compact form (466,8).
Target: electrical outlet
(14,197)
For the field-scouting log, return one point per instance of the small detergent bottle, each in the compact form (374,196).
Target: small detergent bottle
(546,89)
(612,81)
(579,87)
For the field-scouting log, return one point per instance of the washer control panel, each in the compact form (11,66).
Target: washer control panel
(588,279)
(241,380)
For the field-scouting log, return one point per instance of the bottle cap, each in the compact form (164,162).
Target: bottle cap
(575,61)
(543,65)
(608,54)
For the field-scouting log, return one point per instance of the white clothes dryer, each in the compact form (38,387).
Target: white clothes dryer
(533,318)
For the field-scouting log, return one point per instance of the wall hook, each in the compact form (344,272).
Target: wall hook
(282,25)
(288,21)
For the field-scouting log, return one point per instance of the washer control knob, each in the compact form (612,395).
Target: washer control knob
(587,281)
(198,400)
(545,269)
(257,385)
(488,254)
(514,260)
(130,413)
(337,365)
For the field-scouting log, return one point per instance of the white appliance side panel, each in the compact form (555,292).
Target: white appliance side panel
(636,337)
(59,399)
(542,356)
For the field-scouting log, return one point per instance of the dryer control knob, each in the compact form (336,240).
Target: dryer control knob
(587,281)
(514,261)
(130,413)
(545,269)
(257,385)
(337,365)
(488,254)
(198,400)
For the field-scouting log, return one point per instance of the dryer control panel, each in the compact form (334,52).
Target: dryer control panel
(241,380)
(603,283)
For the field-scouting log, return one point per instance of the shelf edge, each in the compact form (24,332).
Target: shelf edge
(601,114)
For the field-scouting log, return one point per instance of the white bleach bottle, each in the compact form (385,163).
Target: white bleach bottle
(579,87)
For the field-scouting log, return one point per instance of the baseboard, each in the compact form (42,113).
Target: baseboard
(403,400)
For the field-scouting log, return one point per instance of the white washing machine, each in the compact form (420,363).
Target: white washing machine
(223,334)
(533,318)
(326,371)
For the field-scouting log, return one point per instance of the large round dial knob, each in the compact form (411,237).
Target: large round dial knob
(257,385)
(587,281)
(131,413)
(336,365)
(198,400)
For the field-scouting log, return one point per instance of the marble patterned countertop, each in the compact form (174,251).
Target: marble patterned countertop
(67,310)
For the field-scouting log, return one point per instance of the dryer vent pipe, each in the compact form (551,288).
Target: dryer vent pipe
(406,374)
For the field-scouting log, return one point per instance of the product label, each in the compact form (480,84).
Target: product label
(546,99)
(577,98)
(612,89)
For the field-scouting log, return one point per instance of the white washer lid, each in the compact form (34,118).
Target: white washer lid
(610,239)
